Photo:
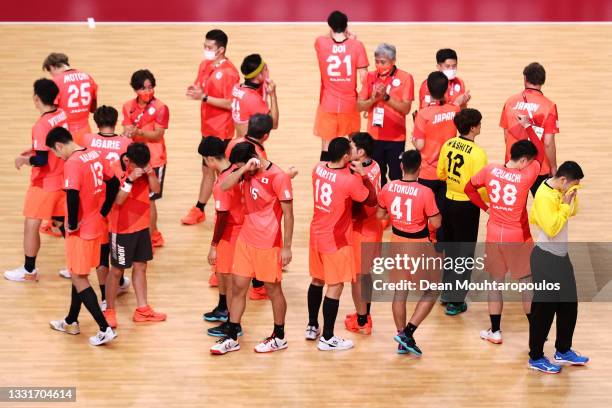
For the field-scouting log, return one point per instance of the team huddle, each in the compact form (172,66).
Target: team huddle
(99,191)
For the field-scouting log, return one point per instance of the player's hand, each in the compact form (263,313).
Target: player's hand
(357,168)
(292,171)
(351,35)
(20,161)
(212,256)
(463,98)
(27,153)
(68,229)
(148,169)
(285,256)
(194,92)
(569,197)
(128,131)
(136,173)
(270,86)
(523,120)
(252,164)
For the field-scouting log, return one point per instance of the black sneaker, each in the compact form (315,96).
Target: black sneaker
(221,330)
(216,315)
(408,343)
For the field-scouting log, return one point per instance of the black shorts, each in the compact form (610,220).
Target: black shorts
(225,143)
(129,248)
(160,172)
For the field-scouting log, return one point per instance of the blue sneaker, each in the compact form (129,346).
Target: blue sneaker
(542,364)
(221,331)
(570,357)
(216,315)
(408,343)
(453,309)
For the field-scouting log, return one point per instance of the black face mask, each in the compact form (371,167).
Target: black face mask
(252,85)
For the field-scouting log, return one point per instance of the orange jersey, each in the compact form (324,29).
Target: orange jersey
(409,205)
(247,101)
(334,191)
(338,65)
(230,201)
(50,176)
(111,147)
(435,125)
(217,80)
(85,172)
(508,190)
(77,95)
(545,119)
(135,212)
(145,118)
(259,148)
(456,87)
(364,217)
(399,85)
(262,194)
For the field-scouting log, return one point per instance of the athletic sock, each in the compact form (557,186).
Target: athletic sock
(232,330)
(103,292)
(330,312)
(315,297)
(279,331)
(200,206)
(362,320)
(90,300)
(495,322)
(368,307)
(410,329)
(222,305)
(30,263)
(324,156)
(121,280)
(257,283)
(75,307)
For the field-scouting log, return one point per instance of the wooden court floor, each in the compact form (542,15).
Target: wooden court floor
(168,364)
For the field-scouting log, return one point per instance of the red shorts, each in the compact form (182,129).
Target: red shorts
(329,125)
(252,262)
(371,250)
(43,205)
(333,268)
(82,255)
(419,248)
(508,250)
(225,256)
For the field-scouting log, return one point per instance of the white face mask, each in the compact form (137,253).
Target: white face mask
(209,55)
(450,73)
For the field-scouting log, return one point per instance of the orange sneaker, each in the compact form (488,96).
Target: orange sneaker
(213,282)
(111,317)
(157,239)
(48,228)
(194,216)
(258,293)
(147,314)
(351,324)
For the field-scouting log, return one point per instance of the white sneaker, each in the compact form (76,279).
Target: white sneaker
(61,325)
(102,337)
(225,345)
(103,305)
(65,273)
(270,344)
(312,332)
(21,275)
(335,343)
(124,288)
(493,337)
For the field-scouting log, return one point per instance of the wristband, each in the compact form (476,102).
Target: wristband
(205,98)
(386,97)
(127,187)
